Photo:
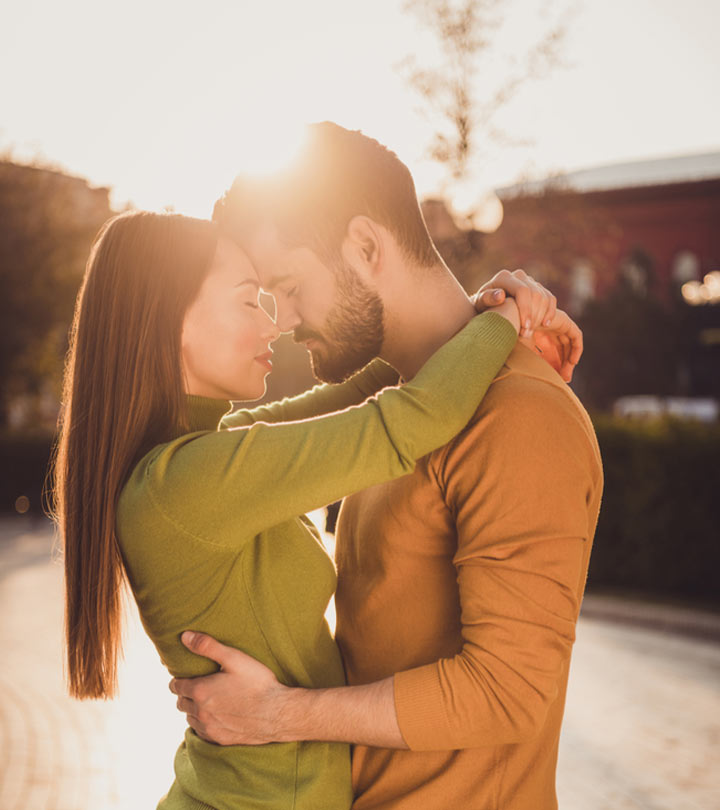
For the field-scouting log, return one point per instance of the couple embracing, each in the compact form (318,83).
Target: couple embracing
(470,472)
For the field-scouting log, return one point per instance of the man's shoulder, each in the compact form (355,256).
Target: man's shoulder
(529,405)
(528,385)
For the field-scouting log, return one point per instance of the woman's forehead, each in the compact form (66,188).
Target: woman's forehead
(232,260)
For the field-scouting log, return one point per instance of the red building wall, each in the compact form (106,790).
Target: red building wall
(558,228)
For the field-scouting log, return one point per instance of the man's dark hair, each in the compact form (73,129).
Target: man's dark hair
(338,174)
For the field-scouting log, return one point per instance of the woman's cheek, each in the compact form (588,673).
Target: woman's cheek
(246,341)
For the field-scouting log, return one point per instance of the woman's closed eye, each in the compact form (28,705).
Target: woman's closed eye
(247,297)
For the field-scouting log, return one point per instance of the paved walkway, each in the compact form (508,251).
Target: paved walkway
(642,727)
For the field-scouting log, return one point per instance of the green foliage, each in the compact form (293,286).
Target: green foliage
(635,345)
(23,471)
(659,522)
(475,75)
(631,348)
(47,223)
(660,517)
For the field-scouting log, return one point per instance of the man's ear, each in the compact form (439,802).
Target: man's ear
(363,246)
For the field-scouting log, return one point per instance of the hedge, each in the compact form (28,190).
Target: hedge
(659,527)
(23,468)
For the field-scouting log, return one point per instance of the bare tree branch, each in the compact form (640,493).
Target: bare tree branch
(464,108)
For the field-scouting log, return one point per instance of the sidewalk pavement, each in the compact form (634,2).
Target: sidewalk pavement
(652,615)
(640,732)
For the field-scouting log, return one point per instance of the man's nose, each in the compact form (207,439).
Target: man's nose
(286,316)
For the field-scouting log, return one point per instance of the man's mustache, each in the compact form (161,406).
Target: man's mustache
(302,333)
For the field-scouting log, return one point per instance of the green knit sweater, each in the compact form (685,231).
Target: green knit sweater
(214,538)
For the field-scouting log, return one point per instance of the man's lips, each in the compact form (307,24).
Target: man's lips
(306,337)
(310,342)
(265,360)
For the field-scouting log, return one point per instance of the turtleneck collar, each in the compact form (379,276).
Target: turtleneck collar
(204,413)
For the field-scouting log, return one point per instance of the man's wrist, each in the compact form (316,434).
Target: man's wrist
(294,707)
(359,714)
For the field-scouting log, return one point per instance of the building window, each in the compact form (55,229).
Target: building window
(636,272)
(686,267)
(582,286)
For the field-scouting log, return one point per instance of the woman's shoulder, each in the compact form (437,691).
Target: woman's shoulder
(196,485)
(143,495)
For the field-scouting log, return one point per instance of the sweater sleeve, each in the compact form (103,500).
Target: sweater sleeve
(523,482)
(318,400)
(227,485)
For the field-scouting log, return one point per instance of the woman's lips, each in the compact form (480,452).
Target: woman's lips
(265,360)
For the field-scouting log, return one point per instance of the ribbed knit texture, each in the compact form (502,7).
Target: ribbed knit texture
(214,539)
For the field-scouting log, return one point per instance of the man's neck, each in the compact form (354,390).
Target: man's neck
(423,310)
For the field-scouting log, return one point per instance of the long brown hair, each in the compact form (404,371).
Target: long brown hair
(123,393)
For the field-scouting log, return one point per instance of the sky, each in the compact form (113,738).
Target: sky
(166,100)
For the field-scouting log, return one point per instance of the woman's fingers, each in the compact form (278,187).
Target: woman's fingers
(486,299)
(576,349)
(569,335)
(551,310)
(560,344)
(542,301)
(536,305)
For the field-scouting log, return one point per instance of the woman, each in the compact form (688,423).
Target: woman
(208,526)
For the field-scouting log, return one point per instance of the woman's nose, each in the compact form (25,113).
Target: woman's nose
(270,328)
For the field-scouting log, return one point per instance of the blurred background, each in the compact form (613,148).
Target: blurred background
(577,139)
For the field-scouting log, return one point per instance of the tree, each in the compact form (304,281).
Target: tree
(47,223)
(464,110)
(632,346)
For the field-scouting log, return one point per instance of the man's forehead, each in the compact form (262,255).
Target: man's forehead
(275,262)
(265,239)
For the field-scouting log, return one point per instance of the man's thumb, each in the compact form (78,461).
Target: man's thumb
(202,644)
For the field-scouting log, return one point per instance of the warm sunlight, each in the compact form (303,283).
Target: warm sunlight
(237,149)
(168,111)
(576,139)
(270,149)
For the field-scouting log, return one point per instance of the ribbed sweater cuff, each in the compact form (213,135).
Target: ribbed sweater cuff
(501,333)
(419,708)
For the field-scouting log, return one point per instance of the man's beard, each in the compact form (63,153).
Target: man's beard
(353,333)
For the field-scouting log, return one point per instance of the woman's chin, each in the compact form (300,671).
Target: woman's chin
(251,394)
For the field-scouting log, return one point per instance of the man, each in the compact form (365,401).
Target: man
(459,585)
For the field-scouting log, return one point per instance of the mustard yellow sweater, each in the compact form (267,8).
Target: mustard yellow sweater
(464,580)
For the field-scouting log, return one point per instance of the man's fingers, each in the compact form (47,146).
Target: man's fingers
(199,728)
(182,686)
(207,646)
(186,705)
